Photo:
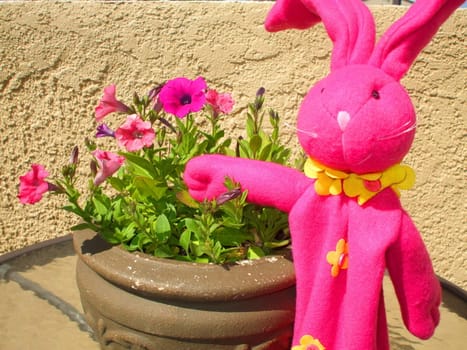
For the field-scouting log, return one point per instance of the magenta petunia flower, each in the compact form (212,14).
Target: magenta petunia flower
(109,104)
(135,134)
(182,96)
(108,164)
(220,103)
(32,185)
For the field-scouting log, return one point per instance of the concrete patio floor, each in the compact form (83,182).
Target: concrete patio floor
(50,318)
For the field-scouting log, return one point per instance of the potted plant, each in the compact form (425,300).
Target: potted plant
(156,269)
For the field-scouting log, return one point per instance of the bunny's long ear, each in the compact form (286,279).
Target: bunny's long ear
(402,42)
(349,24)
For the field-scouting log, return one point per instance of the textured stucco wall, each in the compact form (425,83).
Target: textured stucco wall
(57,57)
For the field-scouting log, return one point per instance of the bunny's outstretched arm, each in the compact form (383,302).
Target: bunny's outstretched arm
(417,288)
(268,184)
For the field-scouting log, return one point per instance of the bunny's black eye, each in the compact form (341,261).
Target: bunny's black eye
(375,94)
(322,90)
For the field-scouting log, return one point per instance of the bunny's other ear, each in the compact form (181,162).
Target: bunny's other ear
(402,42)
(349,24)
(290,14)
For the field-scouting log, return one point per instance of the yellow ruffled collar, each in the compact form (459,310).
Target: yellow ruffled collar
(333,182)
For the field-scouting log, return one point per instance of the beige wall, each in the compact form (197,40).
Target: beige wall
(57,57)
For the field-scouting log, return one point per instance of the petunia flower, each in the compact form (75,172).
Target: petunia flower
(307,342)
(182,96)
(109,104)
(108,163)
(104,131)
(32,185)
(135,134)
(220,103)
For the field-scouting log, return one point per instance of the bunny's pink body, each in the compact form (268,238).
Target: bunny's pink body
(347,311)
(357,120)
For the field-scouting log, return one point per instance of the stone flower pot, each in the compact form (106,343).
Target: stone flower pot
(134,301)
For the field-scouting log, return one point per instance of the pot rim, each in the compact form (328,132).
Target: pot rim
(146,275)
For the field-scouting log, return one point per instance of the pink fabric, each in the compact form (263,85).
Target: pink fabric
(349,25)
(358,119)
(399,46)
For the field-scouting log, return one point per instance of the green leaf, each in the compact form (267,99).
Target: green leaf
(100,206)
(83,226)
(163,252)
(231,237)
(185,198)
(140,241)
(255,252)
(116,183)
(192,225)
(255,143)
(125,234)
(250,126)
(140,165)
(162,228)
(278,244)
(162,224)
(73,209)
(266,152)
(149,187)
(244,148)
(185,240)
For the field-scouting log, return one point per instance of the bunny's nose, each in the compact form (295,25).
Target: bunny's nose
(343,119)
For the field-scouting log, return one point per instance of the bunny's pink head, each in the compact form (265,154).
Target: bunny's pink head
(359,118)
(363,124)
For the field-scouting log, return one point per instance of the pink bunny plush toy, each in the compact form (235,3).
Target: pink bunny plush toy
(346,220)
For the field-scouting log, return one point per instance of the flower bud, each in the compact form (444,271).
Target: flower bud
(228,196)
(93,166)
(259,101)
(167,124)
(104,131)
(74,155)
(153,94)
(90,145)
(54,188)
(237,146)
(136,99)
(273,114)
(260,92)
(68,171)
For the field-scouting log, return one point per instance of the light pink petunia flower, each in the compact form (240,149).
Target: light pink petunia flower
(108,164)
(32,185)
(135,134)
(182,96)
(109,104)
(220,103)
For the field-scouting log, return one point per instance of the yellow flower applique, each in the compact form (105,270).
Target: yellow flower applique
(339,259)
(307,342)
(361,186)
